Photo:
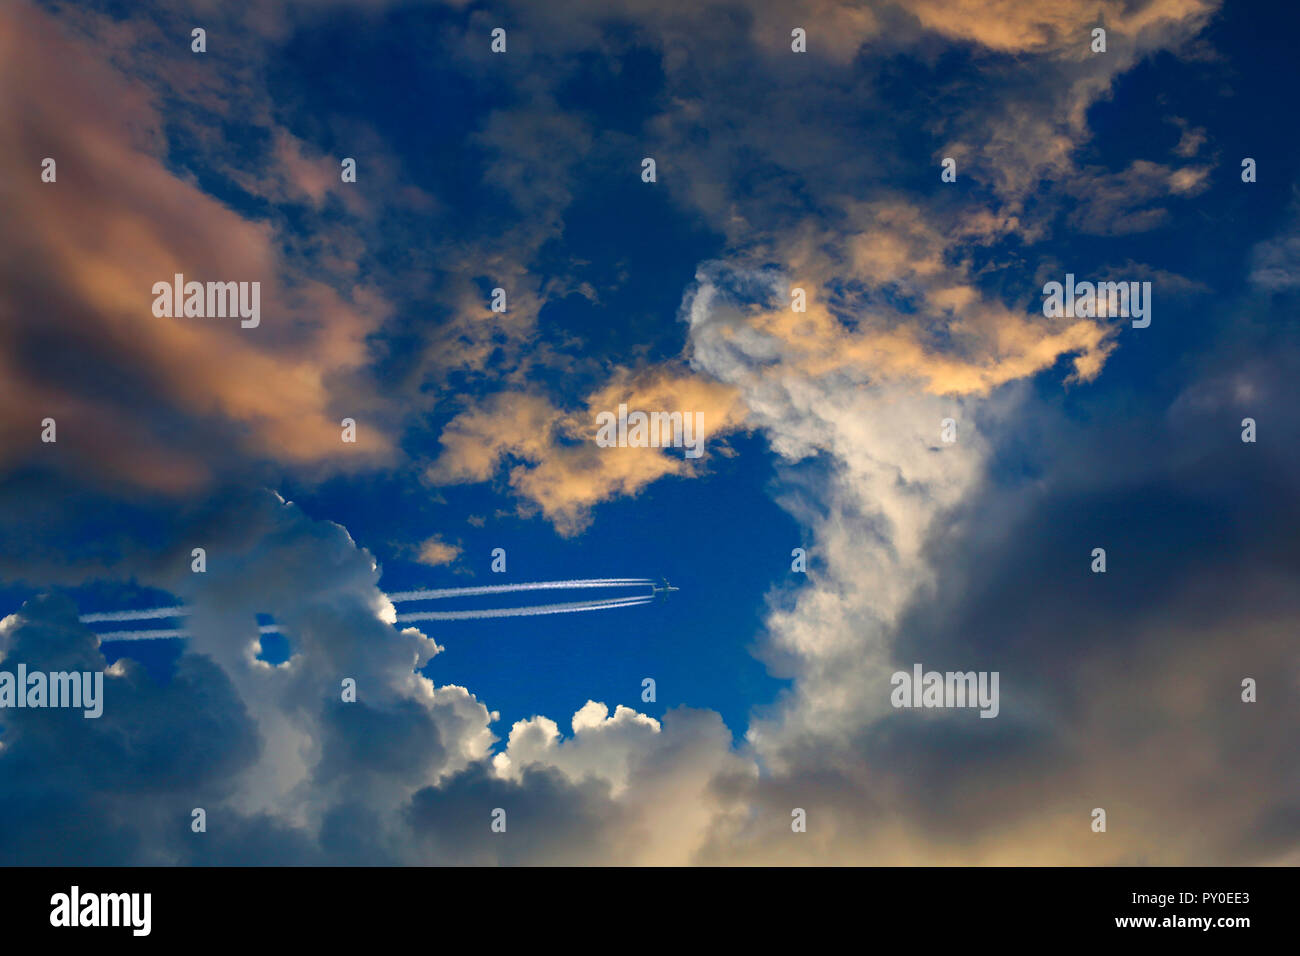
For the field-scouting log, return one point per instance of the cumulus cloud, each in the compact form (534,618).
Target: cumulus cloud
(288,772)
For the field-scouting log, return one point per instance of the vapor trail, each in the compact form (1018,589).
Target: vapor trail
(158,635)
(427,595)
(421,595)
(537,609)
(135,615)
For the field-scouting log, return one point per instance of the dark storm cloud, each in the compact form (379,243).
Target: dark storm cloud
(103,790)
(1120,690)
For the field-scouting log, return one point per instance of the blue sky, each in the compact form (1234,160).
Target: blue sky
(774,169)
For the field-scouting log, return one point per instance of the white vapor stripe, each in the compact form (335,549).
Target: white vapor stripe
(427,595)
(467,615)
(140,635)
(135,615)
(478,615)
(424,595)
(158,635)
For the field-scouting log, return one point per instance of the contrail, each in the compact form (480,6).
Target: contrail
(429,595)
(537,609)
(158,635)
(135,615)
(471,615)
(398,596)
(631,600)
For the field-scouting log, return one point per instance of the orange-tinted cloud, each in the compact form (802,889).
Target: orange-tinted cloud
(561,469)
(79,341)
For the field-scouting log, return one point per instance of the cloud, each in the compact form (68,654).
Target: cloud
(434,551)
(893,286)
(660,777)
(290,773)
(1063,29)
(137,398)
(1125,702)
(1112,204)
(561,470)
(1275,262)
(273,749)
(969,555)
(82,791)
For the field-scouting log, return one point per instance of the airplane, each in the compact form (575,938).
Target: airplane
(664,591)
